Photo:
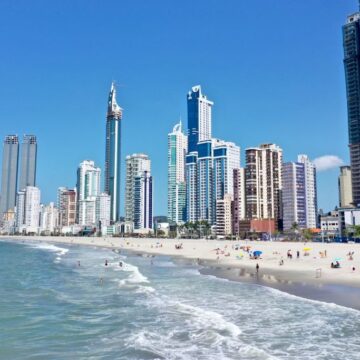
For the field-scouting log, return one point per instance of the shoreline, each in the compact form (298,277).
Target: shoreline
(343,289)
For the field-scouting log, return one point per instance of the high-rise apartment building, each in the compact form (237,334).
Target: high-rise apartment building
(192,205)
(199,117)
(48,218)
(143,201)
(113,153)
(103,205)
(177,149)
(88,188)
(223,216)
(351,43)
(345,188)
(226,158)
(310,191)
(28,162)
(238,205)
(263,182)
(9,174)
(294,195)
(136,164)
(28,210)
(67,205)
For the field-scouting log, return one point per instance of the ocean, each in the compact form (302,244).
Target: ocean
(154,308)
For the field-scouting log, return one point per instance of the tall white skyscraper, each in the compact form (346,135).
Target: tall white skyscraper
(293,195)
(310,191)
(28,210)
(103,204)
(88,188)
(136,164)
(177,148)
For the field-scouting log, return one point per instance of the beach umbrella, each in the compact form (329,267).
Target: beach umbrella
(337,259)
(257,252)
(307,249)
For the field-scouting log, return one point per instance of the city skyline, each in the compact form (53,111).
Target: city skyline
(236,124)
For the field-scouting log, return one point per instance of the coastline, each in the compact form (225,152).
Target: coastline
(295,278)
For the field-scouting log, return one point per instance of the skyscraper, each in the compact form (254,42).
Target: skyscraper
(263,182)
(199,117)
(9,174)
(143,201)
(28,210)
(136,164)
(238,205)
(113,154)
(192,205)
(345,191)
(88,188)
(67,206)
(310,191)
(351,43)
(293,195)
(226,159)
(28,162)
(177,148)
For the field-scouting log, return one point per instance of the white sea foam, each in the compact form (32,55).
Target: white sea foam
(135,276)
(207,318)
(50,247)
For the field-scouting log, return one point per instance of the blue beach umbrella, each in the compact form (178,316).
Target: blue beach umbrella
(257,253)
(337,259)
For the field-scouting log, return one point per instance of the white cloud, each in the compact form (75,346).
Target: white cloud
(327,162)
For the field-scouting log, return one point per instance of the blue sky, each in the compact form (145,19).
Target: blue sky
(272,67)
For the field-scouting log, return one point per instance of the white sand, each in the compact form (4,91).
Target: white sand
(303,269)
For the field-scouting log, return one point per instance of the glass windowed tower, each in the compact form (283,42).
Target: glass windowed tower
(113,154)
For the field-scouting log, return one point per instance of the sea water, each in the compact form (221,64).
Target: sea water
(153,308)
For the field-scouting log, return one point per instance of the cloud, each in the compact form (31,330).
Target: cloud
(327,162)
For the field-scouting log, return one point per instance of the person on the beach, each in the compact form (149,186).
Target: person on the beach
(120,264)
(298,254)
(257,268)
(106,263)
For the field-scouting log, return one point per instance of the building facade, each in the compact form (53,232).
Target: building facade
(345,187)
(49,215)
(113,153)
(351,43)
(28,210)
(199,117)
(67,205)
(103,206)
(192,205)
(88,188)
(177,149)
(310,191)
(263,182)
(223,216)
(9,174)
(143,202)
(238,205)
(136,164)
(28,162)
(293,195)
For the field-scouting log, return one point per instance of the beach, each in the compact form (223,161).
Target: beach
(309,275)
